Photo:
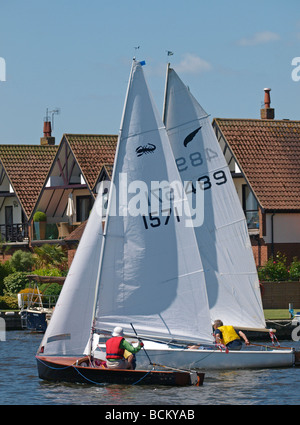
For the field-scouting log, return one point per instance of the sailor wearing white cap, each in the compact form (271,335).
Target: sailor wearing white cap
(115,349)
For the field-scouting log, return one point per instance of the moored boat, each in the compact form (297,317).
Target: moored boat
(106,259)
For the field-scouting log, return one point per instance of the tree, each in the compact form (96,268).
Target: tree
(22,261)
(5,270)
(15,282)
(51,256)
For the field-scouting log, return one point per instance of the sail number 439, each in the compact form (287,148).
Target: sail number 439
(218,176)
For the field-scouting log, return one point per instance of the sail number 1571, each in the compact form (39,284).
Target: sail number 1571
(155,221)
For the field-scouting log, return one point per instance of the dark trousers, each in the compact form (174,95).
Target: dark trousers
(234,345)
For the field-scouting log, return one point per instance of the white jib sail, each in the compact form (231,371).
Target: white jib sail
(70,324)
(223,240)
(151,272)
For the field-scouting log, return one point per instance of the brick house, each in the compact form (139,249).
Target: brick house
(23,169)
(264,159)
(69,190)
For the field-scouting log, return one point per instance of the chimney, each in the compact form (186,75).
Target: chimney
(267,113)
(47,139)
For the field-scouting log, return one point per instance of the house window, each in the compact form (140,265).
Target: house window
(250,207)
(8,223)
(83,207)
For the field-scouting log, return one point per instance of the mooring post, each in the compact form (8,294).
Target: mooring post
(291,310)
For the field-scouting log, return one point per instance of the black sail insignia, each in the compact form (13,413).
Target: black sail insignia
(190,137)
(146,149)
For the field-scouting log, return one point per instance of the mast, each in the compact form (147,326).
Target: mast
(166,91)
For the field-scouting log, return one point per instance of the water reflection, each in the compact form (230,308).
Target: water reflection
(239,387)
(242,387)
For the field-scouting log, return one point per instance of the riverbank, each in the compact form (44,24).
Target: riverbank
(12,320)
(283,327)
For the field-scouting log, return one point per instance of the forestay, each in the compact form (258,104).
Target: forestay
(230,273)
(151,272)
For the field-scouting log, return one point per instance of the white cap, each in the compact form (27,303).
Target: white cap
(118,331)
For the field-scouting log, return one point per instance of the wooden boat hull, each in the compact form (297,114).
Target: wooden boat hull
(65,369)
(214,359)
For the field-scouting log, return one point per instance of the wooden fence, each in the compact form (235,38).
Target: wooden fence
(280,294)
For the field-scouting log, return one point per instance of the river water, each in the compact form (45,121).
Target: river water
(20,385)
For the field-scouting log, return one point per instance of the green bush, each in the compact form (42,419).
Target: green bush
(46,288)
(9,302)
(48,256)
(5,270)
(294,269)
(22,261)
(53,289)
(15,282)
(276,269)
(39,216)
(48,272)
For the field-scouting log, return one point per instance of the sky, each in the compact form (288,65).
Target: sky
(75,56)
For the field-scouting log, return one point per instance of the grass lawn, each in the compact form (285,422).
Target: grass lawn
(278,314)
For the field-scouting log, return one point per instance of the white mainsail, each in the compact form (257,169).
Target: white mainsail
(70,324)
(151,272)
(230,273)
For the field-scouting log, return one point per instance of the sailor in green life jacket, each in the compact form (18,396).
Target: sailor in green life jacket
(227,335)
(117,348)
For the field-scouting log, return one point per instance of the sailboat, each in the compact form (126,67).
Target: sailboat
(222,237)
(36,309)
(143,272)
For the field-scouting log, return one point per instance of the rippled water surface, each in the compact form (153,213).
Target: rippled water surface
(20,385)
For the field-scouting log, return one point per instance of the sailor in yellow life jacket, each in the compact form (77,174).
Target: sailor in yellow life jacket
(228,336)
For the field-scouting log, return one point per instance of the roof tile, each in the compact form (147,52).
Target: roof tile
(27,167)
(268,153)
(92,152)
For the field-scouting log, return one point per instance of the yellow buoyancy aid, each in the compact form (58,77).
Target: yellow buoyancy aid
(228,334)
